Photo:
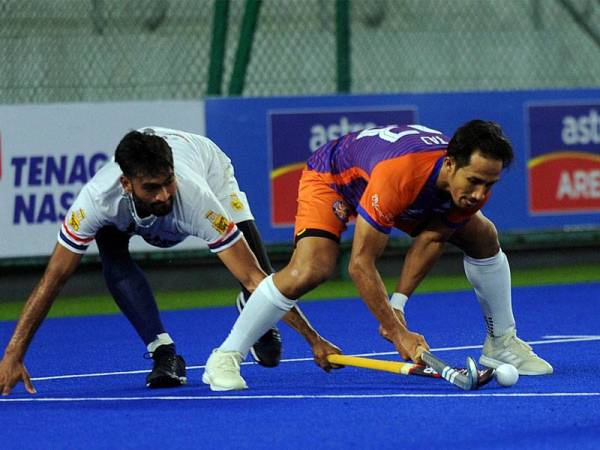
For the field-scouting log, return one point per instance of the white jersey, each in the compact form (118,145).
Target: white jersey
(207,204)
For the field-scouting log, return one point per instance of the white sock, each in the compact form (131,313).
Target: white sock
(491,279)
(398,300)
(161,339)
(265,307)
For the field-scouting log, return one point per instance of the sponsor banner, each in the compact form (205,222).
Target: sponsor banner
(564,158)
(48,152)
(295,134)
(269,139)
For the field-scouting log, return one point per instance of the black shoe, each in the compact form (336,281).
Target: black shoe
(267,350)
(168,370)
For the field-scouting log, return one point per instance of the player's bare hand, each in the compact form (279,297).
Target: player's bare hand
(11,372)
(321,349)
(411,346)
(384,333)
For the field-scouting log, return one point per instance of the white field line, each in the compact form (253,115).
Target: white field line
(297,397)
(559,340)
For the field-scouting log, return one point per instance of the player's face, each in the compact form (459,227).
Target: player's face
(152,194)
(468,185)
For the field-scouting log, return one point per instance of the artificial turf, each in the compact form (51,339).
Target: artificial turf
(174,300)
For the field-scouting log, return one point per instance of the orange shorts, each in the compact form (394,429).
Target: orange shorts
(319,206)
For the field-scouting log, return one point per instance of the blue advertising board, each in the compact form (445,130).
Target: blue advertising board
(268,140)
(564,158)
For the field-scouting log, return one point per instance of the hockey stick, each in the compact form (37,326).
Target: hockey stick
(464,377)
(467,379)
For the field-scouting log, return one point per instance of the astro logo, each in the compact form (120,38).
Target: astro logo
(564,162)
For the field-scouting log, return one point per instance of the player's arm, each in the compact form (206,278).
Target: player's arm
(61,266)
(242,264)
(320,346)
(367,246)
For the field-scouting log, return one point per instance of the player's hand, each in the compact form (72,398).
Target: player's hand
(411,346)
(321,349)
(11,372)
(384,333)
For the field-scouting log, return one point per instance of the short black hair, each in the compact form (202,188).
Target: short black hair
(144,154)
(484,136)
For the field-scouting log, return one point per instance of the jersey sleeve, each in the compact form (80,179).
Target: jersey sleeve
(393,186)
(209,221)
(80,225)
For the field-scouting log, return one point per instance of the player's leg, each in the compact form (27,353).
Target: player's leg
(318,228)
(487,269)
(132,293)
(313,261)
(221,179)
(267,349)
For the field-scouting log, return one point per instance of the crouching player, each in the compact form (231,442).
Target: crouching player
(413,178)
(164,186)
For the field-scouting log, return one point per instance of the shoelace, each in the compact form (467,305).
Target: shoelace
(165,361)
(229,363)
(517,344)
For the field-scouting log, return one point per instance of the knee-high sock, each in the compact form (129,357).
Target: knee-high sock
(491,279)
(264,309)
(128,284)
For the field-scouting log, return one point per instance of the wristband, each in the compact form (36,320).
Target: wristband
(398,300)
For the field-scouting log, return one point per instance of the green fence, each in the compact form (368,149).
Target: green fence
(100,50)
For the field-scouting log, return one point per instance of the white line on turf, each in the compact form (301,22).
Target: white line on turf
(297,397)
(559,340)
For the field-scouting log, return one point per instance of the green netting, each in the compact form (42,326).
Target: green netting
(76,50)
(441,45)
(99,50)
(294,49)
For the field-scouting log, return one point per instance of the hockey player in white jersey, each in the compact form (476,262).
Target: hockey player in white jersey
(163,185)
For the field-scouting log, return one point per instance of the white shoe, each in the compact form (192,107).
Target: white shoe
(222,371)
(509,349)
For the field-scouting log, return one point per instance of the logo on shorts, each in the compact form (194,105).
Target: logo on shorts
(218,222)
(341,210)
(76,218)
(380,214)
(236,203)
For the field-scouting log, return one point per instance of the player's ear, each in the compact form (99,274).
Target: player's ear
(126,183)
(450,164)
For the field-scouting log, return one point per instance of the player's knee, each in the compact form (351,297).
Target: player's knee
(303,278)
(486,243)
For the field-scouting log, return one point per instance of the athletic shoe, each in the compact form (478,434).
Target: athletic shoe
(509,349)
(267,350)
(168,370)
(222,371)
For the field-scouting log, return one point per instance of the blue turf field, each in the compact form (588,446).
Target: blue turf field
(297,406)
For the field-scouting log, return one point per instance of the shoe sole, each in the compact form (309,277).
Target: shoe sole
(213,387)
(240,306)
(166,382)
(494,363)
